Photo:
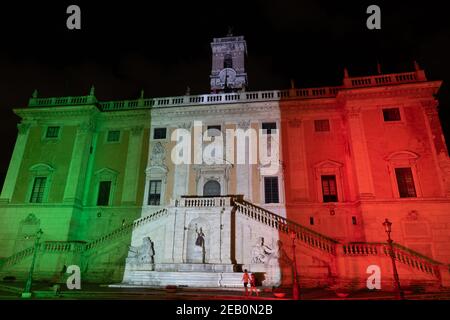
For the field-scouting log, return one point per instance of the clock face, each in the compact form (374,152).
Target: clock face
(229,74)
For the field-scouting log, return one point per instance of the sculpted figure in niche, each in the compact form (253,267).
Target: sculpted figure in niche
(144,254)
(200,241)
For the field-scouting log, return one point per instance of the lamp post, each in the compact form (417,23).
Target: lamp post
(388,228)
(295,286)
(27,292)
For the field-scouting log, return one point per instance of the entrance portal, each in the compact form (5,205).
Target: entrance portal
(211,188)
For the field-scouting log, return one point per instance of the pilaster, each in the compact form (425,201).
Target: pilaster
(73,192)
(360,156)
(131,177)
(15,163)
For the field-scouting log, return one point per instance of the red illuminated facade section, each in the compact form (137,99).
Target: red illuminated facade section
(373,151)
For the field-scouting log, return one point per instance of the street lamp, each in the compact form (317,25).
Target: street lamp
(388,228)
(295,286)
(27,292)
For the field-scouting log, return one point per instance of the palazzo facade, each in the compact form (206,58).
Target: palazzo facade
(143,191)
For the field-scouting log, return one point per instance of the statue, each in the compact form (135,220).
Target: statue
(261,252)
(200,242)
(142,255)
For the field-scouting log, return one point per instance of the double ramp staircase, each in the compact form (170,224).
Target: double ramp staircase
(339,254)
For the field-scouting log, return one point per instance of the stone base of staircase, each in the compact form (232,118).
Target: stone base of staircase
(194,279)
(195,267)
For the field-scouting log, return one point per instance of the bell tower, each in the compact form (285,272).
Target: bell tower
(228,68)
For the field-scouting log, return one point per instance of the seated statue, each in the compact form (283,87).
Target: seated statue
(261,252)
(142,255)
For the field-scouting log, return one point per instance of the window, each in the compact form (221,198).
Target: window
(271,190)
(391,114)
(159,133)
(37,193)
(405,182)
(354,221)
(213,131)
(154,193)
(268,127)
(52,132)
(104,190)
(311,221)
(228,61)
(329,190)
(322,125)
(113,136)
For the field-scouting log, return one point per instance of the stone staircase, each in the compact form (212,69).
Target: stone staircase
(328,245)
(413,262)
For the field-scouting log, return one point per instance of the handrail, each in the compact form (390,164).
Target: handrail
(46,246)
(125,229)
(16,257)
(308,236)
(80,246)
(312,238)
(402,254)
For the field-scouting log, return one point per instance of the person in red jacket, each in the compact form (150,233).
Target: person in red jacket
(246,280)
(253,285)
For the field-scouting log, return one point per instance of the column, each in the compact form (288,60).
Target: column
(15,163)
(131,177)
(78,165)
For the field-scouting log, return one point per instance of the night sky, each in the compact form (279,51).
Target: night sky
(126,46)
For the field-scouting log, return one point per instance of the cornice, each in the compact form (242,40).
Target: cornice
(205,110)
(416,90)
(55,112)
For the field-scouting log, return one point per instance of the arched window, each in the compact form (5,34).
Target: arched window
(211,188)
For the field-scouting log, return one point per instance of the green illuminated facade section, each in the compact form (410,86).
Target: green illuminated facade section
(76,173)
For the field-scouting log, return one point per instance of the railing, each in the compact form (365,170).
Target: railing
(307,236)
(208,99)
(197,202)
(127,228)
(401,254)
(16,257)
(384,79)
(61,101)
(46,246)
(316,240)
(63,246)
(221,98)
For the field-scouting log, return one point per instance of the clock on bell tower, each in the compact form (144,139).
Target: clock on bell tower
(228,68)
